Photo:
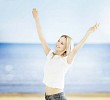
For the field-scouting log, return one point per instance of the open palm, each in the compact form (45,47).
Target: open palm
(35,13)
(93,28)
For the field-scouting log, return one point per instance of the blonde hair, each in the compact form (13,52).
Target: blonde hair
(69,46)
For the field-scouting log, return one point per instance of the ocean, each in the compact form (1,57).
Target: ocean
(21,69)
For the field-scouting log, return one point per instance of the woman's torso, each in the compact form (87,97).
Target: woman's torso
(52,66)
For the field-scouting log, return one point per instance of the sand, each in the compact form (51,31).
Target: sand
(83,96)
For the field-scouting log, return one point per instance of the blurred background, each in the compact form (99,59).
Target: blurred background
(21,55)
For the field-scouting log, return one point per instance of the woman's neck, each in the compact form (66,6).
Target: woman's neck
(59,53)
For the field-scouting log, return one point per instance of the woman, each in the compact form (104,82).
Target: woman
(58,61)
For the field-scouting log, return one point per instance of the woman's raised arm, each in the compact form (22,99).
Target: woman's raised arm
(81,43)
(39,31)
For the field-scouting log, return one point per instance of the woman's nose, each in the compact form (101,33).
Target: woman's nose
(58,43)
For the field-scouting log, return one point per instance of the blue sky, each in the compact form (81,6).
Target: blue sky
(57,17)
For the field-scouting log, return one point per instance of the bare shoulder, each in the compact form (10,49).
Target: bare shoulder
(47,51)
(71,56)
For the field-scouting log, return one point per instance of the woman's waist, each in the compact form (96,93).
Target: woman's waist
(51,90)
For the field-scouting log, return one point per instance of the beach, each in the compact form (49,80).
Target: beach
(80,96)
(21,73)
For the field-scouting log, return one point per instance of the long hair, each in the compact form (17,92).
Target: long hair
(69,46)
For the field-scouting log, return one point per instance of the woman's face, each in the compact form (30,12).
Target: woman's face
(61,45)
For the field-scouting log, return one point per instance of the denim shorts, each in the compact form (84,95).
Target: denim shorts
(58,96)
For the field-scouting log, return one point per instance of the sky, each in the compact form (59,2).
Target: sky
(57,17)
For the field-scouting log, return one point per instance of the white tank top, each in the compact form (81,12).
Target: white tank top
(54,70)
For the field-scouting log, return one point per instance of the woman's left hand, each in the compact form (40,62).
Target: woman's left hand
(93,28)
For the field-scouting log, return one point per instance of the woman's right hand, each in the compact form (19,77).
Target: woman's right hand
(35,13)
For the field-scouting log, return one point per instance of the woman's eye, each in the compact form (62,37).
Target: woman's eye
(62,43)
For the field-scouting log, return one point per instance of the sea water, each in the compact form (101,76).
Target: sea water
(21,69)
